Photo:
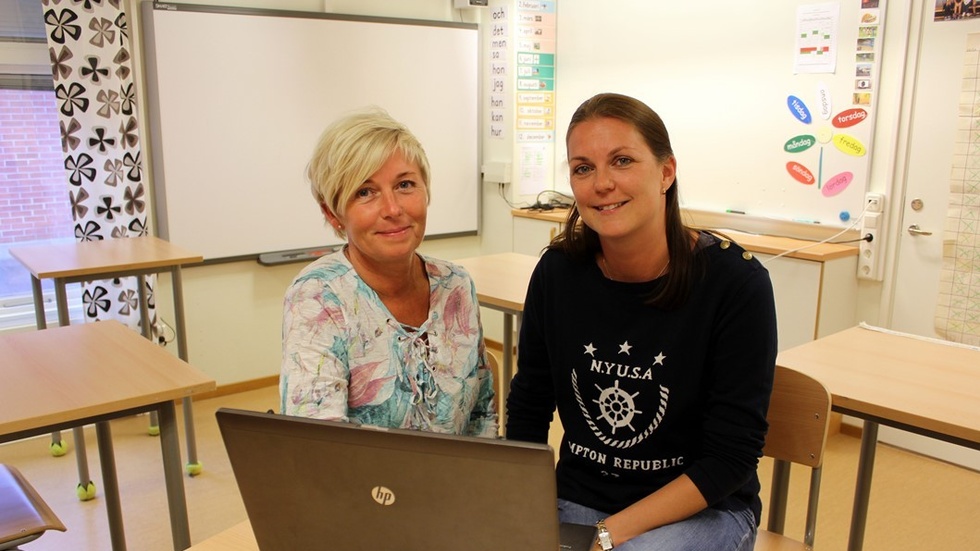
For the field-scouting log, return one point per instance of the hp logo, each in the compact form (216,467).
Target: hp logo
(382,495)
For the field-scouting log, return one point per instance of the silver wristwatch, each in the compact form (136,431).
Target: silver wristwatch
(603,537)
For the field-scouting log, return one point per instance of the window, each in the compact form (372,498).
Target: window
(34,203)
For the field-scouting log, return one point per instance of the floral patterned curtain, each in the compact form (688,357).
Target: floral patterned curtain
(958,305)
(89,45)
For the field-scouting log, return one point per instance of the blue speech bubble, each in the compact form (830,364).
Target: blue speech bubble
(799,109)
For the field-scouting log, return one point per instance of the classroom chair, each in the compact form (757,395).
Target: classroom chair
(799,419)
(24,516)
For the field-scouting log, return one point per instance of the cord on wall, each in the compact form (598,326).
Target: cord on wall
(830,239)
(162,338)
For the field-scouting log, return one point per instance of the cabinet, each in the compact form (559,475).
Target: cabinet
(815,288)
(533,230)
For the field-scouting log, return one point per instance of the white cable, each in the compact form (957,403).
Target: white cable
(500,192)
(857,220)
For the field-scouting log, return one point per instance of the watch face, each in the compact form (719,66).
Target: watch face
(605,541)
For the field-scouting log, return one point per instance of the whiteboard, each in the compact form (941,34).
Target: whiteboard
(720,74)
(239,97)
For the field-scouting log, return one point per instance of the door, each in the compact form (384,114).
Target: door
(932,144)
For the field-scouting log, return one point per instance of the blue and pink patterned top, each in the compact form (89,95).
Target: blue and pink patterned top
(346,358)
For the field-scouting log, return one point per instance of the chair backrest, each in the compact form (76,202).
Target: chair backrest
(24,516)
(799,419)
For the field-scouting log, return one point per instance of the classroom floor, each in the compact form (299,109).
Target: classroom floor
(916,502)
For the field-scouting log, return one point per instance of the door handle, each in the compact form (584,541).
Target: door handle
(914,230)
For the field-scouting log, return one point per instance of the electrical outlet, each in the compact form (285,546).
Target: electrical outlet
(870,263)
(874,202)
(498,172)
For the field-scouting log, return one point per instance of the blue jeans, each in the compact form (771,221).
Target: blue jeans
(711,529)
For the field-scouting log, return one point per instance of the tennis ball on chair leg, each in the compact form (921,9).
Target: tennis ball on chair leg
(85,492)
(194,469)
(59,448)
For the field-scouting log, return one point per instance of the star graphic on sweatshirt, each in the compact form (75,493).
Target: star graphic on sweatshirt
(625,348)
(659,359)
(590,350)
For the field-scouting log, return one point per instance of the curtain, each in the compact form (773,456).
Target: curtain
(958,306)
(90,50)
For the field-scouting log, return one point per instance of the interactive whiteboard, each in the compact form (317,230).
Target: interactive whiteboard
(239,97)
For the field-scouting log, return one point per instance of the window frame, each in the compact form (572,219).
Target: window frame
(25,65)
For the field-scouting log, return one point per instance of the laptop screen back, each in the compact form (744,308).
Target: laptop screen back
(311,484)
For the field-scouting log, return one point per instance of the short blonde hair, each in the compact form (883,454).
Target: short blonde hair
(352,149)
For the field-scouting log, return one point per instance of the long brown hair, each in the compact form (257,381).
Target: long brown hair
(582,242)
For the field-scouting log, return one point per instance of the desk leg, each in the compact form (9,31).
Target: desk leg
(506,367)
(146,326)
(58,445)
(518,320)
(113,506)
(40,318)
(177,501)
(61,299)
(86,489)
(512,326)
(180,328)
(193,464)
(862,493)
(147,330)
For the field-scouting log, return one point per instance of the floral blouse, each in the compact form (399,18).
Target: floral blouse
(346,358)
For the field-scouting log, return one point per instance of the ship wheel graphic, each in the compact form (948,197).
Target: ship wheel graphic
(616,406)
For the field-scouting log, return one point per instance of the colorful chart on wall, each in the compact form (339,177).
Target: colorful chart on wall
(831,134)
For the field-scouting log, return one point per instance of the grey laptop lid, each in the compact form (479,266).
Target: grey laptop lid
(312,484)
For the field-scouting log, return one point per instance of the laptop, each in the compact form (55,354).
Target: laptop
(313,484)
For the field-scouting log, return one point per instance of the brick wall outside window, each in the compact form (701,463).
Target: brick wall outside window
(34,203)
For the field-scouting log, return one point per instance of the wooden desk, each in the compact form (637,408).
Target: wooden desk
(501,284)
(237,538)
(922,386)
(71,376)
(86,261)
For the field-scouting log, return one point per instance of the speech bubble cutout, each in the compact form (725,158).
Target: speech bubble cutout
(800,173)
(837,184)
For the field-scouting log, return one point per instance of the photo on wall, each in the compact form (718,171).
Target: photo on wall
(954,10)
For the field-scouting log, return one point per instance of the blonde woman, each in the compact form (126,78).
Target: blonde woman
(378,333)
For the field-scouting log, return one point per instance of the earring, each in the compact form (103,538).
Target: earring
(663,192)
